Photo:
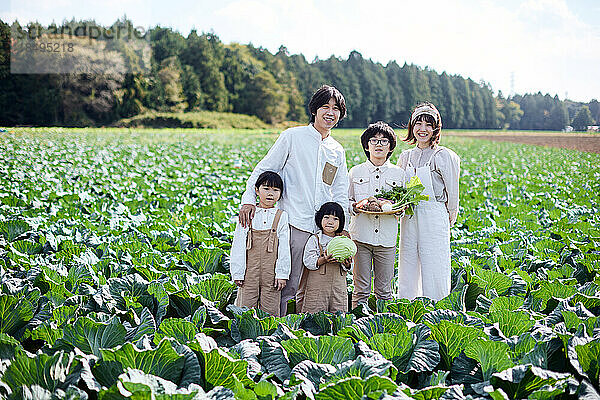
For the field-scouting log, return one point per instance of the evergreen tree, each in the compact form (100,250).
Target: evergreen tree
(199,72)
(165,43)
(192,91)
(397,106)
(453,118)
(205,53)
(288,82)
(512,114)
(466,100)
(435,88)
(132,93)
(582,119)
(269,100)
(5,35)
(239,69)
(297,111)
(489,106)
(170,76)
(594,107)
(376,73)
(365,82)
(422,84)
(340,74)
(559,116)
(309,76)
(530,116)
(500,102)
(408,80)
(479,117)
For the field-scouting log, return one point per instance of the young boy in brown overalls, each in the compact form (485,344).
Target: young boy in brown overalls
(323,280)
(260,255)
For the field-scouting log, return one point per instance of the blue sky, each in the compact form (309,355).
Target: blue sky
(552,46)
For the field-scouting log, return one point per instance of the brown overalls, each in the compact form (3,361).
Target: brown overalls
(261,257)
(325,289)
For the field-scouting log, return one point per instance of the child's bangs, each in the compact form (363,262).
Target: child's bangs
(333,210)
(269,178)
(271,182)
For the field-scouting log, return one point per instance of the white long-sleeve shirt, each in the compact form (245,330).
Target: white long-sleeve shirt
(445,173)
(301,156)
(311,250)
(263,219)
(367,180)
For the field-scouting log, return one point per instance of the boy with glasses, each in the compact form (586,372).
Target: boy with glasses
(376,236)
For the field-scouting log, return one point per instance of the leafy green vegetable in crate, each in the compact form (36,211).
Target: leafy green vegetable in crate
(406,197)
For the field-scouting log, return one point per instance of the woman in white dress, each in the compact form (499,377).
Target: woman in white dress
(424,253)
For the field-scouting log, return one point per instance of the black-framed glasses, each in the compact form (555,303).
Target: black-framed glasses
(381,141)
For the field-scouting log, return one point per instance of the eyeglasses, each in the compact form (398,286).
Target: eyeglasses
(381,141)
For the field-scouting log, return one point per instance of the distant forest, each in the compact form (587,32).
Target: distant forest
(199,72)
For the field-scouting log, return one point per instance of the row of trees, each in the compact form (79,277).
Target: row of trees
(199,72)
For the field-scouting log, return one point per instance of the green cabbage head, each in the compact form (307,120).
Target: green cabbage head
(341,248)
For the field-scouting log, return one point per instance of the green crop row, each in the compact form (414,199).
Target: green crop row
(114,279)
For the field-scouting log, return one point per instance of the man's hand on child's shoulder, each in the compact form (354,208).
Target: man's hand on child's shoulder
(246,214)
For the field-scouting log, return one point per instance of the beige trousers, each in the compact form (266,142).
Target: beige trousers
(372,260)
(298,239)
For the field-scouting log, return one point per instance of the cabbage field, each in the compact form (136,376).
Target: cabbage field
(114,279)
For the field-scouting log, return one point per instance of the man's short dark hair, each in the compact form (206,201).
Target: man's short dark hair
(269,178)
(331,208)
(374,129)
(322,96)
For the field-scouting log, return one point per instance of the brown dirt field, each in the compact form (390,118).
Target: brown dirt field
(576,141)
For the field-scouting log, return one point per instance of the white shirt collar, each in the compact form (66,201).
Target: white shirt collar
(372,167)
(316,132)
(274,208)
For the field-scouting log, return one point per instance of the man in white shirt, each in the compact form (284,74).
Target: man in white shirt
(313,167)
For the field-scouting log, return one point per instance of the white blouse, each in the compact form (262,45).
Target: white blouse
(263,219)
(367,180)
(445,173)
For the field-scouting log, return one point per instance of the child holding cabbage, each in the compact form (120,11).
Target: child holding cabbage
(323,279)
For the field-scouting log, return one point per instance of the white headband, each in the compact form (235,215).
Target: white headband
(426,109)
